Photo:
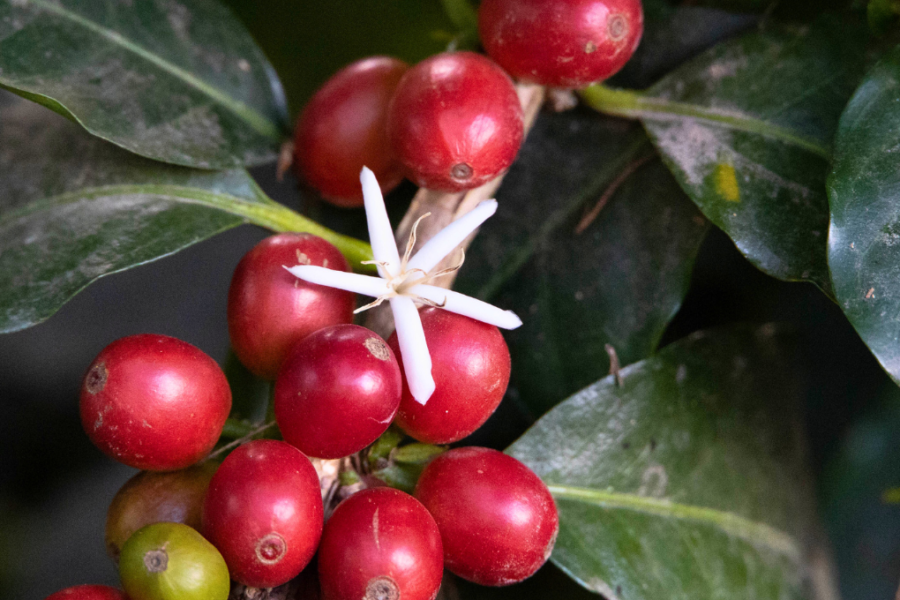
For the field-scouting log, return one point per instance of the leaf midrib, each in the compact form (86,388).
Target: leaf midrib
(265,213)
(756,533)
(253,118)
(625,103)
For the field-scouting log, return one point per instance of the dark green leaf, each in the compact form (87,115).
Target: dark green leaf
(308,41)
(687,482)
(864,241)
(861,502)
(619,282)
(674,34)
(74,208)
(178,82)
(747,127)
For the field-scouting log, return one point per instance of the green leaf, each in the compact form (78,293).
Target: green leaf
(178,82)
(619,282)
(308,42)
(417,454)
(402,476)
(863,248)
(746,128)
(74,208)
(859,492)
(689,480)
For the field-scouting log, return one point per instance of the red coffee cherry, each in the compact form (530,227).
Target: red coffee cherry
(455,121)
(269,309)
(380,544)
(470,366)
(88,592)
(263,512)
(337,391)
(154,402)
(497,519)
(150,497)
(342,129)
(561,43)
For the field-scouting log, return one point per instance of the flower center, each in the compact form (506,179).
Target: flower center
(401,283)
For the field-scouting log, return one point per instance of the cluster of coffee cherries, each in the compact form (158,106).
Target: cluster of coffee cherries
(186,526)
(190,528)
(454,121)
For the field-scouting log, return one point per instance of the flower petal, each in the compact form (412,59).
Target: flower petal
(381,236)
(413,348)
(467,306)
(451,236)
(351,282)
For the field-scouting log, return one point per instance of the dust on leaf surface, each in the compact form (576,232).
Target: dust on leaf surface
(864,192)
(74,208)
(178,82)
(746,128)
(618,282)
(689,480)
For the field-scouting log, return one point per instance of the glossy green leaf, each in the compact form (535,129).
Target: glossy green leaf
(746,128)
(864,192)
(619,282)
(861,502)
(308,41)
(74,208)
(174,80)
(687,482)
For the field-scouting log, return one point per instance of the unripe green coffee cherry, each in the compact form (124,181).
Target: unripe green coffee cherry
(171,561)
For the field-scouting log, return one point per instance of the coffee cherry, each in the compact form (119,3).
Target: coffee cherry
(497,519)
(455,121)
(154,402)
(171,561)
(380,544)
(88,592)
(342,129)
(150,497)
(337,391)
(470,366)
(561,43)
(263,511)
(269,309)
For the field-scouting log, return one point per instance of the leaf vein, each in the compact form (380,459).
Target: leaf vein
(757,533)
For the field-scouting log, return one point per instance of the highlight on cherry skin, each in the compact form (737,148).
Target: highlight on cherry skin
(337,391)
(497,519)
(269,310)
(154,402)
(561,43)
(264,512)
(380,544)
(343,128)
(471,367)
(455,121)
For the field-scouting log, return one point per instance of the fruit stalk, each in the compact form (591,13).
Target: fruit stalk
(446,207)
